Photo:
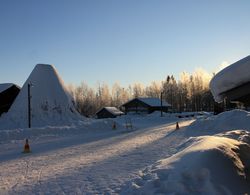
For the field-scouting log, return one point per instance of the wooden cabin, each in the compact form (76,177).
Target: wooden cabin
(109,112)
(145,105)
(8,93)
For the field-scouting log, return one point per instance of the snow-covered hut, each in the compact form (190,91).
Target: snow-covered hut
(109,112)
(50,103)
(8,93)
(233,82)
(145,105)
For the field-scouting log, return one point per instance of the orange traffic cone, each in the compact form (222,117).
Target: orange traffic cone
(177,125)
(26,147)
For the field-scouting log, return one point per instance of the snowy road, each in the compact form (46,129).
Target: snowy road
(75,165)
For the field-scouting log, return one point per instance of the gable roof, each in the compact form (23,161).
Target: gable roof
(112,110)
(153,102)
(5,86)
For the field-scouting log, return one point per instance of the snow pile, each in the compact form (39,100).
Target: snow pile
(207,165)
(226,121)
(230,77)
(50,102)
(217,161)
(114,111)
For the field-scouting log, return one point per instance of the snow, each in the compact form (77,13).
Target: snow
(230,77)
(225,121)
(211,160)
(5,86)
(207,155)
(93,159)
(50,102)
(113,110)
(209,165)
(154,102)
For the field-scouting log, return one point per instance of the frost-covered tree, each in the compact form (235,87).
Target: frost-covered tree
(189,93)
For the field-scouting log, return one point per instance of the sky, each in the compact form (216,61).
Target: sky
(123,41)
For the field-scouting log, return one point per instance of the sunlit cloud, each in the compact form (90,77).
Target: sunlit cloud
(222,65)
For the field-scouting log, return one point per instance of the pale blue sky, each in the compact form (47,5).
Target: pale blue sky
(127,41)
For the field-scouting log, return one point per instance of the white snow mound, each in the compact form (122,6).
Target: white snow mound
(207,165)
(230,77)
(225,121)
(50,101)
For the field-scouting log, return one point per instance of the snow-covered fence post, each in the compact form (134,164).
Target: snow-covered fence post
(29,105)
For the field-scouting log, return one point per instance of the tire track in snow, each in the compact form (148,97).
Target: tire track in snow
(91,159)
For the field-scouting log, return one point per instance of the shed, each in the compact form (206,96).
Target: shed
(145,105)
(8,93)
(109,112)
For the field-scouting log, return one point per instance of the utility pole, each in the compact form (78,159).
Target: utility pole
(161,104)
(29,106)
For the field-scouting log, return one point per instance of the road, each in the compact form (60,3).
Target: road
(87,165)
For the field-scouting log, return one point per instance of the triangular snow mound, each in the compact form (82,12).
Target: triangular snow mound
(50,101)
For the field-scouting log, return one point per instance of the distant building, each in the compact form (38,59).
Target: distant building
(109,112)
(145,105)
(8,93)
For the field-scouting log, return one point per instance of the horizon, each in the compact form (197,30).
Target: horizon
(125,42)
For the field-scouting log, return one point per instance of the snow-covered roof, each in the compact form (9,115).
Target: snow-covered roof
(154,102)
(114,111)
(230,77)
(4,86)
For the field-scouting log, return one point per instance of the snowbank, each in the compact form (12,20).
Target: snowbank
(88,126)
(230,77)
(207,165)
(216,161)
(226,121)
(50,102)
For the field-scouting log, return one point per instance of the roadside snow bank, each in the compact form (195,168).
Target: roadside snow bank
(226,121)
(207,165)
(38,133)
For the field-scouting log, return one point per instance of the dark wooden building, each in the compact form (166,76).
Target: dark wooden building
(145,105)
(8,93)
(109,112)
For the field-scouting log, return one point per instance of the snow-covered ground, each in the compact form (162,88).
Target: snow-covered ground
(93,158)
(207,155)
(213,158)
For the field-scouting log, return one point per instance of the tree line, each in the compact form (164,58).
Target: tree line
(189,93)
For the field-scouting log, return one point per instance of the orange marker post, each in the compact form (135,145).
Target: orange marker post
(177,126)
(26,147)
